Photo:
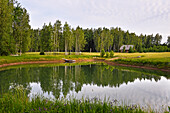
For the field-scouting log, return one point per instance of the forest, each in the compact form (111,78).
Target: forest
(17,36)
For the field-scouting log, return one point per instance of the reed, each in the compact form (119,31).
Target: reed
(17,101)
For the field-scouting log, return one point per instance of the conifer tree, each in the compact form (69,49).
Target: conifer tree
(6,17)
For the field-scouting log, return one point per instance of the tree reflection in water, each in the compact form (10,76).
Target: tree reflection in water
(63,79)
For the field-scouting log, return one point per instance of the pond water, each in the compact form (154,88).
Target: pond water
(128,86)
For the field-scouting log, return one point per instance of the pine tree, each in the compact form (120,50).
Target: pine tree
(21,29)
(6,17)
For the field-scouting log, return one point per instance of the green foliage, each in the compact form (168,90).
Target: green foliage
(140,49)
(107,54)
(21,29)
(124,49)
(79,39)
(131,50)
(111,54)
(6,39)
(46,42)
(157,49)
(102,53)
(68,38)
(16,35)
(57,32)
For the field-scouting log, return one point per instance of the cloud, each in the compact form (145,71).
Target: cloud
(141,16)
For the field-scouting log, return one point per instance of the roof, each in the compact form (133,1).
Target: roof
(127,47)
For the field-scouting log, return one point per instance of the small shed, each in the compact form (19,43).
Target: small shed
(127,47)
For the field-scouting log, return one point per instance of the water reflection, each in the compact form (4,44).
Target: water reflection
(90,81)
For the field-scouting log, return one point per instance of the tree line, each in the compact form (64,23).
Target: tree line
(57,38)
(16,36)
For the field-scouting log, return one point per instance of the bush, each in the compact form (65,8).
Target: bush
(107,55)
(102,53)
(141,50)
(42,53)
(111,54)
(124,49)
(4,53)
(131,50)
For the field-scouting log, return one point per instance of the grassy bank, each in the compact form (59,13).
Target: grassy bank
(159,60)
(34,56)
(17,101)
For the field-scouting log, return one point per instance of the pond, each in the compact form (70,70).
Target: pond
(127,86)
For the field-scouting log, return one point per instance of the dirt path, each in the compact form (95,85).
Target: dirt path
(45,62)
(84,60)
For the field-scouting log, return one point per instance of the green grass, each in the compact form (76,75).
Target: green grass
(17,101)
(160,60)
(31,56)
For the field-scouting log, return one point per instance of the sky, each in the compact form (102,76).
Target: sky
(139,16)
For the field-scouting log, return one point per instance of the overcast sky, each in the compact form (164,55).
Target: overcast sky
(139,16)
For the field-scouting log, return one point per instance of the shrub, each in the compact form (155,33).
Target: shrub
(124,49)
(42,53)
(141,50)
(131,50)
(111,54)
(102,53)
(107,55)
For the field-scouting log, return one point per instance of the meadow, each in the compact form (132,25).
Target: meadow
(159,60)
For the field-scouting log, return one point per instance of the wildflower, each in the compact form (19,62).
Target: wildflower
(114,100)
(39,109)
(134,106)
(45,109)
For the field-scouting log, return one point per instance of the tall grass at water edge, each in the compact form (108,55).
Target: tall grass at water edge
(17,101)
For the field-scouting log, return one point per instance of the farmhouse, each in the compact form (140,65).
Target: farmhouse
(127,47)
